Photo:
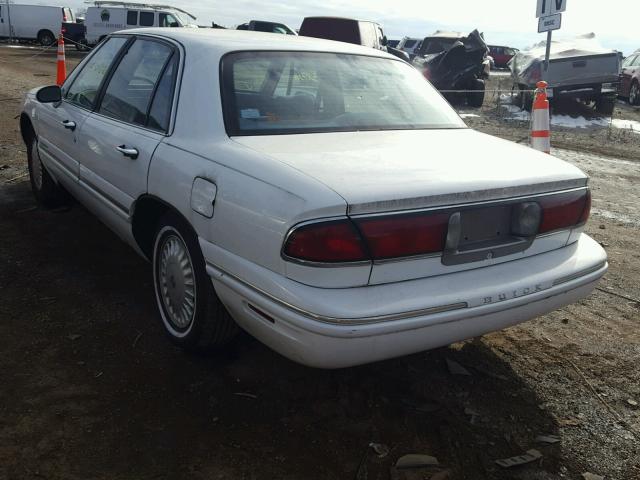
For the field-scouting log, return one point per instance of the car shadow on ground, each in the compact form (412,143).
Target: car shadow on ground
(93,389)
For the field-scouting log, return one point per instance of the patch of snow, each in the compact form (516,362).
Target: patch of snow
(468,115)
(578,122)
(627,124)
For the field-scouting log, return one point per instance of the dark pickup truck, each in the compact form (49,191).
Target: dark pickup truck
(75,32)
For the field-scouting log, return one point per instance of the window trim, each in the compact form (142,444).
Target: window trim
(229,119)
(120,56)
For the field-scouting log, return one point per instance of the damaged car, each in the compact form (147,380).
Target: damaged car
(455,64)
(276,184)
(579,68)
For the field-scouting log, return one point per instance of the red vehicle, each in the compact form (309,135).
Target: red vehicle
(501,55)
(629,86)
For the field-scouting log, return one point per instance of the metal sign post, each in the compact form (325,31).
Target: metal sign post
(549,14)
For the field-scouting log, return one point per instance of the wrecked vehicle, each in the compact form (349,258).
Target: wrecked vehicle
(349,30)
(452,61)
(579,68)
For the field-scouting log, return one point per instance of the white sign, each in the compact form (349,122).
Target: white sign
(550,7)
(552,22)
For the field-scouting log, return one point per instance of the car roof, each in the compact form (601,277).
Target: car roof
(445,34)
(224,41)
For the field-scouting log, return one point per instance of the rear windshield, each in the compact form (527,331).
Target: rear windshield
(339,29)
(267,93)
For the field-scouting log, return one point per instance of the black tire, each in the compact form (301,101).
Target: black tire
(209,324)
(634,94)
(475,98)
(525,99)
(46,38)
(605,105)
(47,192)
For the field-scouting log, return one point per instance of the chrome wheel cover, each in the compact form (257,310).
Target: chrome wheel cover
(36,166)
(175,279)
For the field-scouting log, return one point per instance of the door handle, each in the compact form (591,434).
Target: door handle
(69,125)
(132,153)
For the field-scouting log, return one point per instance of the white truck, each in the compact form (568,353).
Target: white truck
(106,17)
(33,22)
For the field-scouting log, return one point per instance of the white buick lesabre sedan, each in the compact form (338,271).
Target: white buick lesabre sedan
(320,195)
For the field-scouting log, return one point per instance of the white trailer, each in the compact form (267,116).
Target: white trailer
(106,17)
(33,22)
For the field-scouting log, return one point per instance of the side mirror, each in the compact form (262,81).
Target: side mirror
(50,94)
(384,41)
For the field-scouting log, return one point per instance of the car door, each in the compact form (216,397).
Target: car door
(626,74)
(59,124)
(131,119)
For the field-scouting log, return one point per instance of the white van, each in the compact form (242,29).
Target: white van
(33,22)
(110,16)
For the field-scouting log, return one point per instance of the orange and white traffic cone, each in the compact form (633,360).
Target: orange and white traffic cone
(62,66)
(540,120)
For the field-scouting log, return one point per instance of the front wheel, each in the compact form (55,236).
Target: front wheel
(192,314)
(46,191)
(605,105)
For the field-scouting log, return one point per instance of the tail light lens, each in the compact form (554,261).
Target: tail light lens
(564,210)
(404,235)
(326,242)
(374,238)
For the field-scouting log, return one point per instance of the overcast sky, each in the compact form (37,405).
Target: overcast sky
(510,22)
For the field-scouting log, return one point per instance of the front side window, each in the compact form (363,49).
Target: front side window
(266,93)
(146,19)
(84,89)
(167,20)
(132,17)
(128,94)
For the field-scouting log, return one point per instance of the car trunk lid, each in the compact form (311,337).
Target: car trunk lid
(387,171)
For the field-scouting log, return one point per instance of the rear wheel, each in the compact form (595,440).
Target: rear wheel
(605,105)
(46,191)
(525,99)
(475,97)
(634,94)
(46,38)
(192,314)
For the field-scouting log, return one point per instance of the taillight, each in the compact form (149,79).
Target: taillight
(63,30)
(326,242)
(427,73)
(564,210)
(404,235)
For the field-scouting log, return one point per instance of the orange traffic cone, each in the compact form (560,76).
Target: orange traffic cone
(540,121)
(62,66)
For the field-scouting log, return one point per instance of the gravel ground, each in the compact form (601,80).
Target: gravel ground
(93,390)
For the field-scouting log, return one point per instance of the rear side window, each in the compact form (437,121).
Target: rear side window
(160,112)
(132,17)
(146,19)
(410,43)
(128,94)
(84,89)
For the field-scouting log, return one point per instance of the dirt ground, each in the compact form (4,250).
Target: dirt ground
(91,389)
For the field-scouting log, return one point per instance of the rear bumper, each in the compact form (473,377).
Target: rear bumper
(333,328)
